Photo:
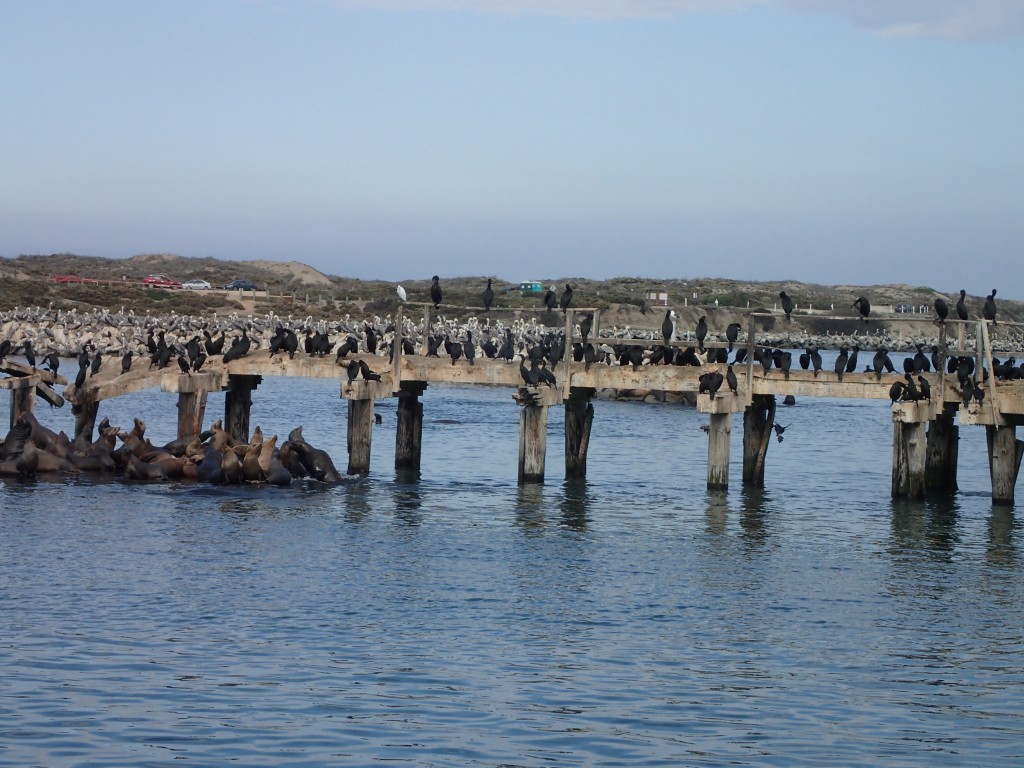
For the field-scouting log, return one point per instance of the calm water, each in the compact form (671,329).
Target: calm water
(460,620)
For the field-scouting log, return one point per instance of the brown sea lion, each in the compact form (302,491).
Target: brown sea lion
(266,451)
(232,468)
(251,470)
(136,469)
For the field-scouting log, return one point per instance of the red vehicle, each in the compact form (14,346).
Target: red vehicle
(161,281)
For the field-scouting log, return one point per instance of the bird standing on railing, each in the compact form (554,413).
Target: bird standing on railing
(488,296)
(435,291)
(941,309)
(961,307)
(787,305)
(863,306)
(988,310)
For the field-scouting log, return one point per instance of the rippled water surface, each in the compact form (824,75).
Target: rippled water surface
(457,619)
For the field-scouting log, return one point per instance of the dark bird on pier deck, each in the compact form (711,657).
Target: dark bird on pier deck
(52,361)
(896,392)
(863,306)
(816,361)
(911,392)
(435,291)
(589,356)
(732,332)
(925,387)
(192,349)
(164,357)
(291,343)
(908,365)
(961,306)
(878,362)
(779,429)
(783,361)
(988,310)
(921,361)
(151,342)
(787,305)
(369,375)
(198,362)
(936,358)
(351,344)
(409,348)
(30,354)
(5,348)
(353,369)
(967,392)
(979,393)
(469,349)
(721,356)
(941,309)
(701,332)
(551,299)
(455,350)
(587,325)
(730,379)
(531,376)
(184,364)
(488,296)
(851,363)
(841,360)
(126,362)
(635,355)
(83,371)
(805,359)
(546,377)
(507,350)
(668,325)
(710,383)
(741,355)
(371,340)
(566,298)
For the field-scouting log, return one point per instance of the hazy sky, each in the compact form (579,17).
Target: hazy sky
(830,141)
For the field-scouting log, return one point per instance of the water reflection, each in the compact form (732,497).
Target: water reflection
(407,496)
(357,503)
(1001,551)
(530,507)
(574,504)
(929,526)
(716,515)
(752,515)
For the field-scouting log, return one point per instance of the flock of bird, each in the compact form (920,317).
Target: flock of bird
(188,342)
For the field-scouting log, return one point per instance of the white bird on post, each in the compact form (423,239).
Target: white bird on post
(401,293)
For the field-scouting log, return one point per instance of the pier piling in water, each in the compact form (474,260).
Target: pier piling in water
(758,420)
(1004,456)
(533,430)
(409,427)
(579,416)
(942,450)
(238,405)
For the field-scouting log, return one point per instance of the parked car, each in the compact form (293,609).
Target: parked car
(240,285)
(196,285)
(161,281)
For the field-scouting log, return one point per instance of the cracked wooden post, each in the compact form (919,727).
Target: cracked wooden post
(191,406)
(943,441)
(909,449)
(238,405)
(579,415)
(720,410)
(409,429)
(1004,457)
(533,430)
(23,396)
(758,420)
(360,395)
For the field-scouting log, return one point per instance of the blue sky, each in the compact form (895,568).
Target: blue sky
(829,141)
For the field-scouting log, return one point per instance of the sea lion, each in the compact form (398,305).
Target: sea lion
(16,438)
(316,461)
(135,469)
(251,470)
(266,452)
(232,468)
(210,469)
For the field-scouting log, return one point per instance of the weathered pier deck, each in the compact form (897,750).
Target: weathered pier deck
(925,432)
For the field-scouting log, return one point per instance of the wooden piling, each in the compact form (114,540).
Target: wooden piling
(191,409)
(718,450)
(238,405)
(360,435)
(758,420)
(1004,457)
(909,449)
(943,441)
(579,415)
(533,430)
(23,396)
(409,429)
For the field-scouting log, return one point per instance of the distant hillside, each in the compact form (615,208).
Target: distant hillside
(299,288)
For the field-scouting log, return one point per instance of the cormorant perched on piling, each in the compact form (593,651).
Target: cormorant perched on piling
(566,298)
(97,362)
(30,354)
(551,299)
(668,325)
(967,391)
(353,369)
(184,364)
(52,361)
(730,379)
(851,363)
(587,325)
(732,332)
(863,306)
(435,291)
(701,332)
(961,307)
(710,383)
(896,392)
(926,388)
(787,305)
(488,296)
(941,309)
(5,348)
(468,349)
(841,360)
(815,360)
(988,310)
(367,373)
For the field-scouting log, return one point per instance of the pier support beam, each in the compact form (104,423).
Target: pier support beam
(909,449)
(941,457)
(191,410)
(579,415)
(533,430)
(409,430)
(23,396)
(238,405)
(360,395)
(718,451)
(1004,457)
(758,419)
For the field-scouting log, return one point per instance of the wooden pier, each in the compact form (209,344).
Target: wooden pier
(925,432)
